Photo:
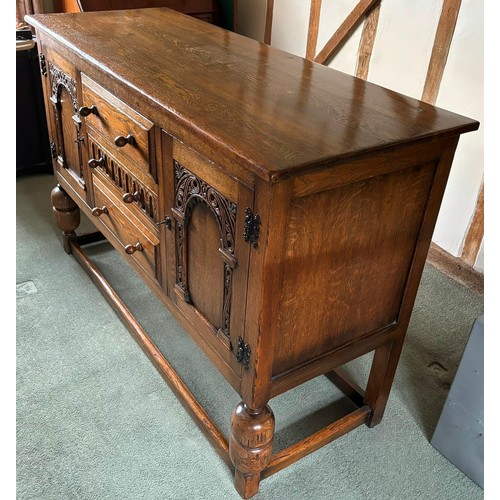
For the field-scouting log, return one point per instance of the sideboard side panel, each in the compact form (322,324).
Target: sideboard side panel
(348,253)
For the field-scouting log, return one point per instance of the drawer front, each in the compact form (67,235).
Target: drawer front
(133,187)
(125,131)
(135,239)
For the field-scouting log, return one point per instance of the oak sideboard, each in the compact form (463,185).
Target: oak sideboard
(281,211)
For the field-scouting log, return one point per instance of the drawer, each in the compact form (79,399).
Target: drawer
(125,132)
(135,239)
(134,187)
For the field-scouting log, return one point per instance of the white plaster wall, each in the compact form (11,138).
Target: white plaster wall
(403,45)
(290,31)
(400,59)
(462,91)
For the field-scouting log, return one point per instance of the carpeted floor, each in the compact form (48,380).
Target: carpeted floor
(96,421)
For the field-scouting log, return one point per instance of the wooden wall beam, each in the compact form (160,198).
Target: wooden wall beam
(475,232)
(269,22)
(312,33)
(442,43)
(350,23)
(367,41)
(235,16)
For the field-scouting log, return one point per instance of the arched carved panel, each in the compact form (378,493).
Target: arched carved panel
(60,79)
(64,97)
(190,190)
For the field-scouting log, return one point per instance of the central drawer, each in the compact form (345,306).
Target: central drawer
(134,238)
(124,131)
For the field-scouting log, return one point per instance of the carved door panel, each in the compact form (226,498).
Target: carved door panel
(210,254)
(66,134)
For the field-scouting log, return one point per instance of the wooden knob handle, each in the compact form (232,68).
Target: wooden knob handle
(130,249)
(129,197)
(86,110)
(97,212)
(121,141)
(93,163)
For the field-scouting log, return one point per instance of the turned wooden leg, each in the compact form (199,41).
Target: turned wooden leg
(250,446)
(385,362)
(66,215)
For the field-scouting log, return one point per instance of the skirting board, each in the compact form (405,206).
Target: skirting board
(455,268)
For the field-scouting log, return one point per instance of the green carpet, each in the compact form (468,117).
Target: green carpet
(96,421)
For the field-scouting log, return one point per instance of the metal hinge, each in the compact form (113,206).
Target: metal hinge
(53,149)
(243,352)
(43,64)
(252,227)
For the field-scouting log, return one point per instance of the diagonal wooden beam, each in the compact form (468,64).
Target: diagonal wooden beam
(312,33)
(269,22)
(442,43)
(350,23)
(367,41)
(475,232)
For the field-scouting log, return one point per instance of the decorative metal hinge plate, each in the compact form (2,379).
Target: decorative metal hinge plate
(252,227)
(53,149)
(43,64)
(243,352)
(166,221)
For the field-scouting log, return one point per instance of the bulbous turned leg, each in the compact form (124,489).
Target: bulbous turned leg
(250,446)
(66,215)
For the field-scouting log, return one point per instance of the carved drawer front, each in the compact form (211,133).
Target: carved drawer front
(135,188)
(209,252)
(122,129)
(134,238)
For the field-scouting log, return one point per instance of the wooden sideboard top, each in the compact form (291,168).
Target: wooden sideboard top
(276,112)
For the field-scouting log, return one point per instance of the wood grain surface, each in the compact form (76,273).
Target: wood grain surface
(367,42)
(475,233)
(274,112)
(442,43)
(313,30)
(348,250)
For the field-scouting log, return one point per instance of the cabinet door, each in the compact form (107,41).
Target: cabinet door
(64,120)
(208,252)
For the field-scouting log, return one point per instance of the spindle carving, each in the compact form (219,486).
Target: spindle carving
(147,200)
